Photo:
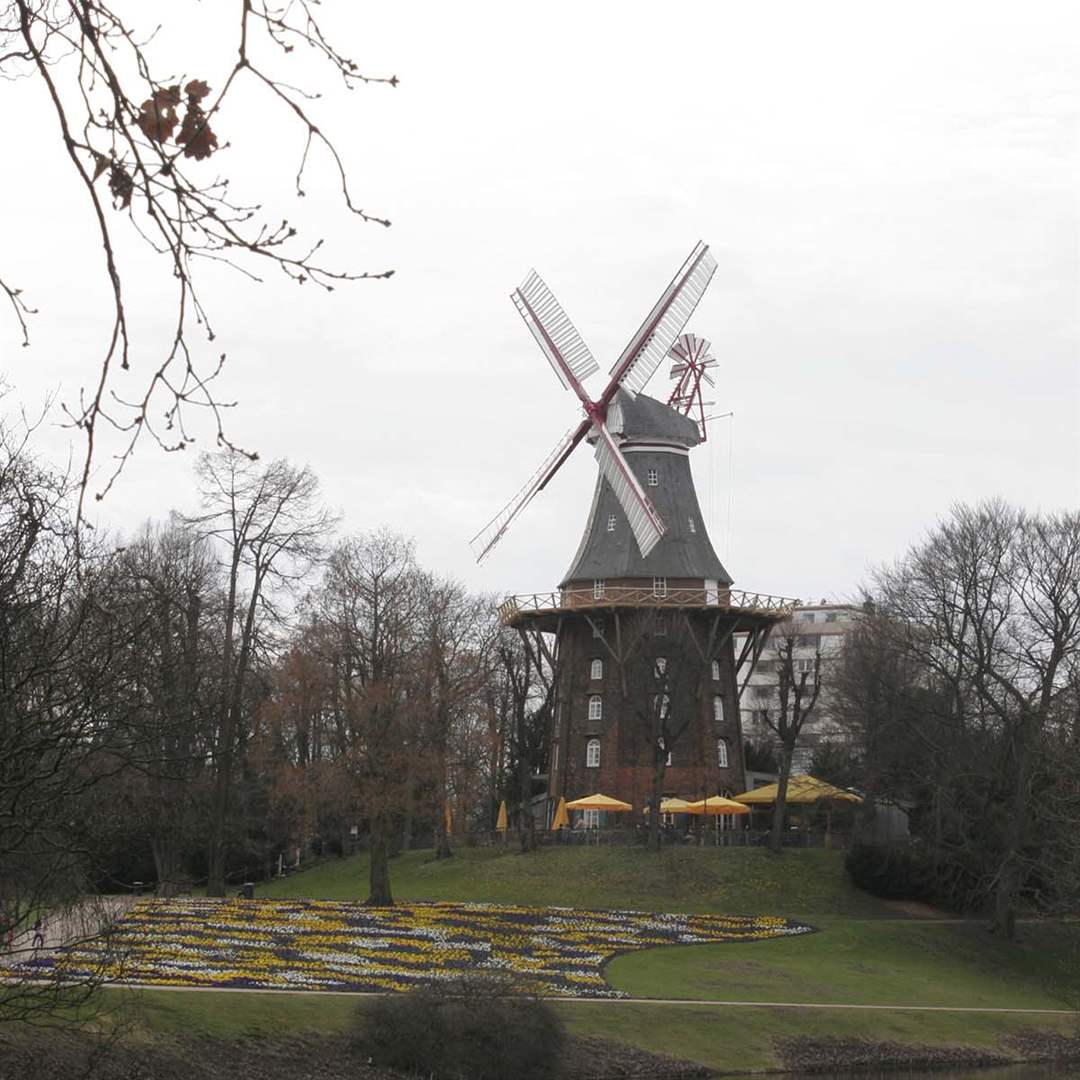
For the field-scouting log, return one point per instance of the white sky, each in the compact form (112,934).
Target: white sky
(891,192)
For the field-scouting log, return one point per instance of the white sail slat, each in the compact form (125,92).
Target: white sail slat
(644,521)
(656,335)
(492,532)
(554,332)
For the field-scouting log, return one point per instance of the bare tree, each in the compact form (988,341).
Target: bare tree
(370,601)
(663,671)
(797,690)
(139,141)
(975,653)
(269,526)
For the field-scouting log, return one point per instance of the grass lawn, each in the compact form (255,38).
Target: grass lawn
(860,961)
(863,954)
(735,881)
(728,1039)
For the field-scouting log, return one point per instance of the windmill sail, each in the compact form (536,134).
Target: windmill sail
(656,335)
(644,521)
(554,332)
(492,532)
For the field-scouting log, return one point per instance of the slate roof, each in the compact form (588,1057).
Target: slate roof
(681,553)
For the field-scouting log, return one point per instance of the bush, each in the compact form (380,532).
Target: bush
(914,872)
(472,1028)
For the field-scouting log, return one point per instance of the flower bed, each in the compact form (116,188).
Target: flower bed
(329,945)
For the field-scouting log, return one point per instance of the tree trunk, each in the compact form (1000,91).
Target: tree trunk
(169,866)
(379,894)
(525,781)
(1009,878)
(442,836)
(776,838)
(659,763)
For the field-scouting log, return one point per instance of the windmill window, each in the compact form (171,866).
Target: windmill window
(597,669)
(611,523)
(598,628)
(598,589)
(716,670)
(718,709)
(662,702)
(721,753)
(596,707)
(592,754)
(693,526)
(659,586)
(661,666)
(653,478)
(668,759)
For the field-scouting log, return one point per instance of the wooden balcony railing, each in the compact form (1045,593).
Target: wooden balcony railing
(623,596)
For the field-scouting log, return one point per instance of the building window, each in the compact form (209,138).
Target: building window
(653,478)
(661,666)
(659,586)
(592,754)
(598,589)
(716,670)
(718,709)
(611,523)
(804,667)
(721,753)
(690,522)
(596,671)
(807,616)
(596,707)
(592,819)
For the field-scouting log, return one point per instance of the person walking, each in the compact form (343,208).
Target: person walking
(39,936)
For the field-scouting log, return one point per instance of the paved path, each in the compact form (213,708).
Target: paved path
(616,1000)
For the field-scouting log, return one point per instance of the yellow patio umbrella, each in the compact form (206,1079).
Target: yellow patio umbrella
(562,818)
(599,802)
(802,790)
(716,804)
(500,821)
(672,806)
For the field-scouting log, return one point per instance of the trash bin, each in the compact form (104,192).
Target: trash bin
(248,890)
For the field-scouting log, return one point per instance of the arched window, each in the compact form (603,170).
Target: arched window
(596,707)
(718,708)
(721,753)
(716,670)
(592,754)
(661,666)
(596,670)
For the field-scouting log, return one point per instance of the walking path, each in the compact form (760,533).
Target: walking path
(607,1001)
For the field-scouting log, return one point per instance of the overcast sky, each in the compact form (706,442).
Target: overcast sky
(890,190)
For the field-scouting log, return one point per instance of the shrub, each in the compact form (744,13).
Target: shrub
(915,872)
(472,1028)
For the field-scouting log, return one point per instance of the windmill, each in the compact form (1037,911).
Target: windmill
(691,361)
(572,363)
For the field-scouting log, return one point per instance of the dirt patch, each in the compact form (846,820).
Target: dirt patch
(807,1054)
(68,1055)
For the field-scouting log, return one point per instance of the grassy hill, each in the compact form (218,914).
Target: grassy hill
(867,952)
(745,881)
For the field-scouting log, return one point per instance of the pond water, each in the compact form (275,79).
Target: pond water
(1007,1072)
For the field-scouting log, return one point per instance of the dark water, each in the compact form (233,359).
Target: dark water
(1006,1072)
